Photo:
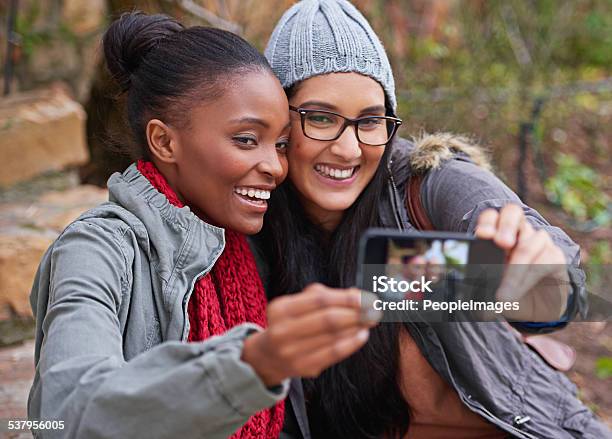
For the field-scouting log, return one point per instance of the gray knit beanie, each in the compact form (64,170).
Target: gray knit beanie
(315,37)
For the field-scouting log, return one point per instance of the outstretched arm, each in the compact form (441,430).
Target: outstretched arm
(172,390)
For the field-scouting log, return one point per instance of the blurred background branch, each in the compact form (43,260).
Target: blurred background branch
(209,17)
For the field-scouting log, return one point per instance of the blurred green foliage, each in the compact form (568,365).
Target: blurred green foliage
(29,37)
(484,66)
(592,46)
(516,43)
(36,32)
(601,253)
(575,187)
(597,269)
(603,368)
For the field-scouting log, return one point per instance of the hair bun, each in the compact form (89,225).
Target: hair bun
(130,37)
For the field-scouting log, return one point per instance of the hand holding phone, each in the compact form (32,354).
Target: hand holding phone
(463,277)
(308,332)
(434,276)
(536,274)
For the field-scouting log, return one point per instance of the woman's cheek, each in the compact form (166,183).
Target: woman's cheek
(285,165)
(295,164)
(373,158)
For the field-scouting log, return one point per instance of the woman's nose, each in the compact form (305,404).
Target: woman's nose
(347,146)
(271,164)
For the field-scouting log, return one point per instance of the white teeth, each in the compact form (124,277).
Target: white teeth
(260,194)
(334,173)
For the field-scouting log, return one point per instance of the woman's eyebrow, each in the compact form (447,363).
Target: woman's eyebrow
(321,104)
(374,109)
(251,120)
(331,107)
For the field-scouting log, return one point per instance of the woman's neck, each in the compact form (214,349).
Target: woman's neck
(327,220)
(169,172)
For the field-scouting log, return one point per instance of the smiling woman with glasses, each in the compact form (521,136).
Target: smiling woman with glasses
(327,126)
(409,381)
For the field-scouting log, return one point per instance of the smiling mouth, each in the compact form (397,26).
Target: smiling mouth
(336,173)
(253,195)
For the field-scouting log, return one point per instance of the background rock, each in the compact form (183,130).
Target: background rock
(40,131)
(26,231)
(19,257)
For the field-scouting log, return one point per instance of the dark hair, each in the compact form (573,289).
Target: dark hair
(360,396)
(164,67)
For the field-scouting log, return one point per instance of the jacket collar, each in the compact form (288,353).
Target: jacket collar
(180,246)
(431,150)
(165,225)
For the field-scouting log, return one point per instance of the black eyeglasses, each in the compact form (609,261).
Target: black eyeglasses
(327,125)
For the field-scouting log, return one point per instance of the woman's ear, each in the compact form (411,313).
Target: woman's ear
(162,141)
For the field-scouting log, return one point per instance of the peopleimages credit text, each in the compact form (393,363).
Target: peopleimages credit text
(392,302)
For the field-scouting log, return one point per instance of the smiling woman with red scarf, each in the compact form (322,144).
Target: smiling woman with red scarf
(151,317)
(231,294)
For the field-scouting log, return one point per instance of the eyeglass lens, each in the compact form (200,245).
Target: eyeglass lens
(325,126)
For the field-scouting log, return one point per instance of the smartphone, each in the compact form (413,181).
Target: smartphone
(431,268)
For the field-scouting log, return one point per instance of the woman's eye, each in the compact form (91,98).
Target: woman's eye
(282,145)
(245,140)
(320,119)
(370,123)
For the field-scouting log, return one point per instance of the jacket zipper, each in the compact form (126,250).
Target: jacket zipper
(395,198)
(187,296)
(480,411)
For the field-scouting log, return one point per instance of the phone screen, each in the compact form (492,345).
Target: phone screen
(429,267)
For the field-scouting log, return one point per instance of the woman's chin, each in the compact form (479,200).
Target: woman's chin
(344,200)
(335,203)
(247,227)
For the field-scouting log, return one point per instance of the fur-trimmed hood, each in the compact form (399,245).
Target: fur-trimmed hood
(430,150)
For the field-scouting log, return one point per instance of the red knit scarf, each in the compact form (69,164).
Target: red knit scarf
(230,294)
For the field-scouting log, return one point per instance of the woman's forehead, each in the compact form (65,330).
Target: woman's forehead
(257,95)
(342,90)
